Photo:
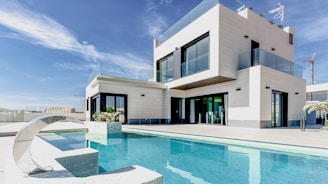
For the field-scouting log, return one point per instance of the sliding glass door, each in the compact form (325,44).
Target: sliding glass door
(176,110)
(211,109)
(279,109)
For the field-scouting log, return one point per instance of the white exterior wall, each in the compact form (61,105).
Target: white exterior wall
(246,114)
(208,22)
(258,112)
(279,81)
(251,106)
(145,100)
(268,35)
(149,106)
(91,90)
(232,31)
(227,30)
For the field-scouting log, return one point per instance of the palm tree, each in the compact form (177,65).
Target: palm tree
(318,106)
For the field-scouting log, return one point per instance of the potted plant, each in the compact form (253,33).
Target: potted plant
(104,122)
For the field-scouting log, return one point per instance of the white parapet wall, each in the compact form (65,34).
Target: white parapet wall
(100,132)
(105,128)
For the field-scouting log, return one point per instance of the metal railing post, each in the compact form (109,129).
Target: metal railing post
(302,123)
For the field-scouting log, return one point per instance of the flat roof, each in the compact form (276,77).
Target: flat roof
(317,87)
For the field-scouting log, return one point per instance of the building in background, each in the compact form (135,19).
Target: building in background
(220,64)
(59,110)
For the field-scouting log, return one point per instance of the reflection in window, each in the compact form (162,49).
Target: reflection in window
(97,104)
(120,107)
(165,72)
(110,104)
(105,102)
(195,56)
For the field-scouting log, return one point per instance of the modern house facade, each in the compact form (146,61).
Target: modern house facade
(220,64)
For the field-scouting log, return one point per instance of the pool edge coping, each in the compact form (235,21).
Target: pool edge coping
(276,146)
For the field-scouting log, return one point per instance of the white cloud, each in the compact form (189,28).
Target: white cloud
(43,30)
(75,67)
(127,65)
(154,22)
(121,65)
(314,29)
(47,79)
(308,18)
(40,29)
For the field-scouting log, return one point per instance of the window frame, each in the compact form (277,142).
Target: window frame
(165,59)
(184,55)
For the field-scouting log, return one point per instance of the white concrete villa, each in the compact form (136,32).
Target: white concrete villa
(220,64)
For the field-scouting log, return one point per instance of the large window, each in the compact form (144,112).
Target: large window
(165,72)
(195,56)
(105,102)
(95,105)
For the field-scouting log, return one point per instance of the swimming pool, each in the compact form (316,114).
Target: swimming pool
(182,161)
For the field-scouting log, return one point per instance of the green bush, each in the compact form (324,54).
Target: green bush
(105,116)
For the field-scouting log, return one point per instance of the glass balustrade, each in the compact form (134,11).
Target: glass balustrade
(268,59)
(195,13)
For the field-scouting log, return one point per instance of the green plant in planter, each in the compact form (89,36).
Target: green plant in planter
(105,116)
(96,116)
(110,116)
(110,109)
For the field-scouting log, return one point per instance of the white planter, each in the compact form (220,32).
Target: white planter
(100,132)
(104,127)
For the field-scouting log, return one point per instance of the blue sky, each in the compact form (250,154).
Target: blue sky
(49,48)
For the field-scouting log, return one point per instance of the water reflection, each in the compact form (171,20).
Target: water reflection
(181,161)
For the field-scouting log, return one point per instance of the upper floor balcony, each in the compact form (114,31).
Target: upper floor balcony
(261,57)
(107,68)
(195,13)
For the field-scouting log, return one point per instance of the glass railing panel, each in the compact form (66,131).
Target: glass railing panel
(201,9)
(95,72)
(169,74)
(183,69)
(192,66)
(270,60)
(244,60)
(195,65)
(202,62)
(164,76)
(234,5)
(195,13)
(267,59)
(284,65)
(298,71)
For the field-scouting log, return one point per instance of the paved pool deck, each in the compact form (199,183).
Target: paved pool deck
(312,138)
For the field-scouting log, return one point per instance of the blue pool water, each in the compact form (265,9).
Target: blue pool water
(181,161)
